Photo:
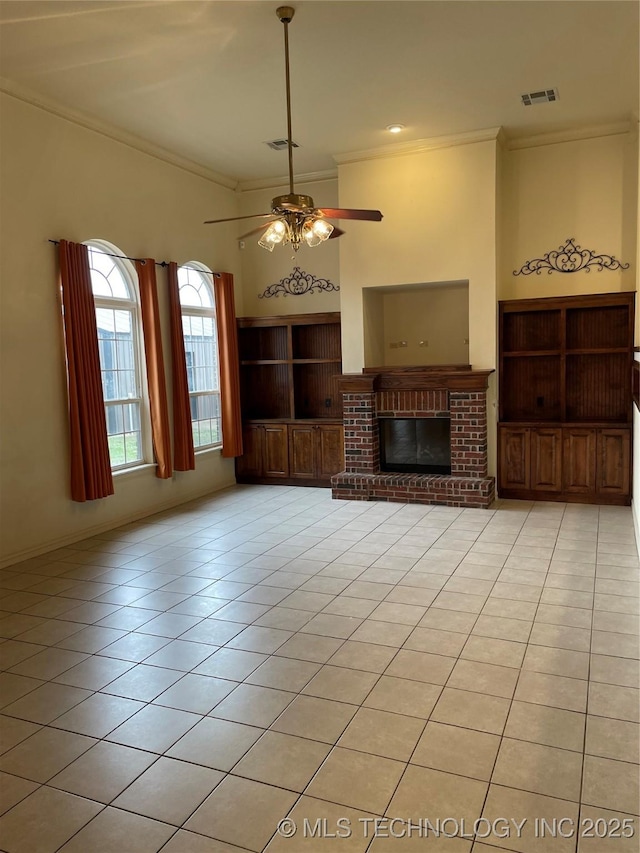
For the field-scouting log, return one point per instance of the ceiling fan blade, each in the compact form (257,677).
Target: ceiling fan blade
(236,218)
(254,231)
(345,213)
(337,232)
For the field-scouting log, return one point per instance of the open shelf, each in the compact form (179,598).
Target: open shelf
(597,388)
(534,385)
(531,330)
(263,343)
(318,341)
(289,365)
(598,328)
(264,391)
(315,390)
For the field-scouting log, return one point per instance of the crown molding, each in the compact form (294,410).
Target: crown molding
(283,181)
(571,135)
(81,119)
(419,145)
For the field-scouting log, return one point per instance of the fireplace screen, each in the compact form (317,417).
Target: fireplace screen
(415,445)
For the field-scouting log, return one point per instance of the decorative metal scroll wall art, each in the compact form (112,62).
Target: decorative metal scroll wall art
(298,283)
(571,258)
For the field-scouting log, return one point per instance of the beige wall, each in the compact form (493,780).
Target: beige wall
(261,268)
(585,189)
(432,320)
(62,181)
(439,225)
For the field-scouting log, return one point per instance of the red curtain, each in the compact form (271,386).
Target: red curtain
(90,464)
(183,456)
(155,367)
(229,365)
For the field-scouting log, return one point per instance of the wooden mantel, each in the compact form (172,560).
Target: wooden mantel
(450,377)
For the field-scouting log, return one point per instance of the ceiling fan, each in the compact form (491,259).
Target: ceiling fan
(297,219)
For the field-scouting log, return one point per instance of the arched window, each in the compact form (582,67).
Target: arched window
(117,313)
(197,301)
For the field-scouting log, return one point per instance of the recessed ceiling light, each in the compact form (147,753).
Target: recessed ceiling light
(395,128)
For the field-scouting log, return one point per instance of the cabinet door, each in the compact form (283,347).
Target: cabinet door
(275,454)
(302,451)
(330,456)
(546,459)
(579,461)
(515,446)
(613,474)
(250,463)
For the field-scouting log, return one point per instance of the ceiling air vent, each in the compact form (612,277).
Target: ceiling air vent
(545,96)
(280,144)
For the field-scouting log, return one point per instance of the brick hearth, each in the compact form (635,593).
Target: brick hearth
(416,393)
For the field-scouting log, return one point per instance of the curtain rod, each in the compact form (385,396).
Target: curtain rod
(142,260)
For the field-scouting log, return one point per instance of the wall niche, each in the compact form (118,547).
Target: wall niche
(415,324)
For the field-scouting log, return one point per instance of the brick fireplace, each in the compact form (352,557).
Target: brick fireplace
(457,392)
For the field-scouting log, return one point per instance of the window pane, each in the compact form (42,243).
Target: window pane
(107,351)
(116,450)
(99,284)
(106,323)
(110,390)
(118,284)
(195,288)
(117,354)
(114,419)
(125,353)
(205,414)
(131,417)
(123,325)
(132,447)
(123,429)
(107,278)
(126,384)
(190,296)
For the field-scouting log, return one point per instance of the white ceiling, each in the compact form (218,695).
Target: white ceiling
(205,80)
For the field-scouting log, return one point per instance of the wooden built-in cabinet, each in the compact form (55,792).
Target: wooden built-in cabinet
(316,451)
(291,406)
(565,398)
(543,463)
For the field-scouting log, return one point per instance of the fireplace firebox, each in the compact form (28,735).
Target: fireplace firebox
(415,445)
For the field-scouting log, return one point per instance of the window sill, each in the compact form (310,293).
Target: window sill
(216,448)
(135,470)
(138,470)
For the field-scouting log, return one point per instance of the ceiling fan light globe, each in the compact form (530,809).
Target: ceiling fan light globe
(316,231)
(276,233)
(311,239)
(322,229)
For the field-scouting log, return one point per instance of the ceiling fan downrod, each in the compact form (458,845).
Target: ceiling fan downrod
(293,200)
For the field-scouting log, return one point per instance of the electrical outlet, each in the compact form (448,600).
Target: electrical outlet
(403,344)
(424,343)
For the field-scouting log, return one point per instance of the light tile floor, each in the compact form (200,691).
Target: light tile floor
(186,682)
